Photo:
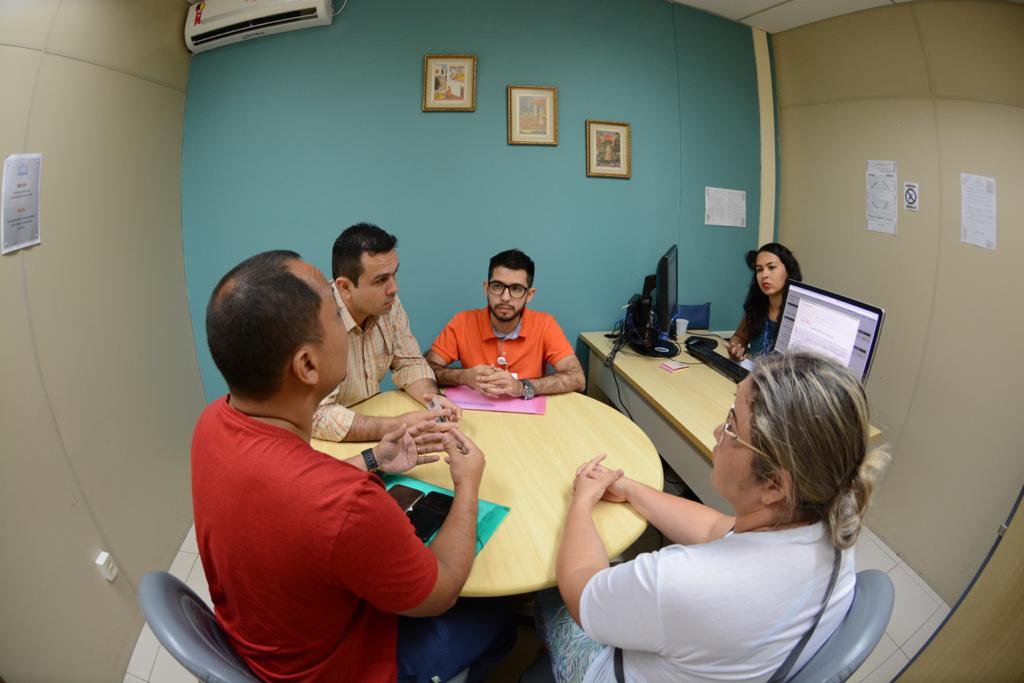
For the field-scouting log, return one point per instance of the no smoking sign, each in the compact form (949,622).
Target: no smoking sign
(911,196)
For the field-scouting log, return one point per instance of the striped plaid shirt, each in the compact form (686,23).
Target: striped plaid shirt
(385,342)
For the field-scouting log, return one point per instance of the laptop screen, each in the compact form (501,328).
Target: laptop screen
(830,324)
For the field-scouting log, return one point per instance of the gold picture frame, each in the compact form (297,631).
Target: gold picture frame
(532,115)
(609,150)
(449,83)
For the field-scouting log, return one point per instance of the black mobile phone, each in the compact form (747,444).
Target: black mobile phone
(405,496)
(428,513)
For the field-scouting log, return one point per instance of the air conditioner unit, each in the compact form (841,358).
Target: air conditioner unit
(213,23)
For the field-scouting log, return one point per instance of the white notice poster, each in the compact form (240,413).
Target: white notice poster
(725,207)
(881,196)
(19,203)
(978,210)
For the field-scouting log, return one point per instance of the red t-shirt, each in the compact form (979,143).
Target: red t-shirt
(470,339)
(308,558)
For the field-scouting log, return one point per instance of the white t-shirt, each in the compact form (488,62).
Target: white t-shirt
(729,610)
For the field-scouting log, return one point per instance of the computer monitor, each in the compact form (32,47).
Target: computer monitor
(831,324)
(665,292)
(649,321)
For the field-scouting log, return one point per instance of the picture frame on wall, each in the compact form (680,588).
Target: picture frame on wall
(532,115)
(449,83)
(608,149)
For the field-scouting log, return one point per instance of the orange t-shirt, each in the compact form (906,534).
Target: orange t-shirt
(470,339)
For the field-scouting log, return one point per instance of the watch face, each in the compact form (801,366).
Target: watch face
(527,390)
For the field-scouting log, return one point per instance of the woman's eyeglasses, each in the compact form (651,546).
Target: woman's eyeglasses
(730,428)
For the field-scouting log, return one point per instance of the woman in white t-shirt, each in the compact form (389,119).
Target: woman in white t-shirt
(731,600)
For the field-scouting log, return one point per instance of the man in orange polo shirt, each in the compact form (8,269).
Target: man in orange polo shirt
(505,348)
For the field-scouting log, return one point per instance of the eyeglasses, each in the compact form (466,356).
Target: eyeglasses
(497,288)
(730,429)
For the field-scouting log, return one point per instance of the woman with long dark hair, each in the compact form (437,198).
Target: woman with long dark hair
(774,266)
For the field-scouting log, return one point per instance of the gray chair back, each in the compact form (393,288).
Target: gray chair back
(839,657)
(187,628)
(857,636)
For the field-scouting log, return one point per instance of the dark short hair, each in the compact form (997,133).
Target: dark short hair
(259,314)
(513,259)
(361,238)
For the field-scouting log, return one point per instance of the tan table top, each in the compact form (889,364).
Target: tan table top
(531,460)
(694,400)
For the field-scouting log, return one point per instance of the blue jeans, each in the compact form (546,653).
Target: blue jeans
(474,633)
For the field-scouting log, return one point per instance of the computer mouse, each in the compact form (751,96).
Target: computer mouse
(702,342)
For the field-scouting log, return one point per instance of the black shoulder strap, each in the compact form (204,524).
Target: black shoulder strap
(787,665)
(620,673)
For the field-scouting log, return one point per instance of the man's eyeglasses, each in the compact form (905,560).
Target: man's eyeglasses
(498,288)
(730,428)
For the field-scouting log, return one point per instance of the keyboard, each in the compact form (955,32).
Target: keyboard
(725,366)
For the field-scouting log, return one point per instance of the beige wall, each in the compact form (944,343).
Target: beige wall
(97,367)
(939,88)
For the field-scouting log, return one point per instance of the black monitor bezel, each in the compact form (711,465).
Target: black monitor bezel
(880,312)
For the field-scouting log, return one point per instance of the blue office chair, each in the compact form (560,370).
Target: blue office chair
(839,657)
(187,628)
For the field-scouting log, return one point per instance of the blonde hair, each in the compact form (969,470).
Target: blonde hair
(809,415)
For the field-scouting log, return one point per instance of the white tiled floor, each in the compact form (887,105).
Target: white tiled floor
(917,613)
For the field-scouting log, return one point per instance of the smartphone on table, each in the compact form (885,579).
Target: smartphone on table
(428,513)
(405,496)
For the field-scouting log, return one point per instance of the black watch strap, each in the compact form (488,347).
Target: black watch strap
(371,462)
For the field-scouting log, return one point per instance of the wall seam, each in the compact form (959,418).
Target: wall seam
(930,96)
(76,480)
(679,127)
(938,242)
(65,55)
(134,74)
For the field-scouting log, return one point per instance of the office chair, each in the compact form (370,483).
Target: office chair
(839,657)
(187,628)
(857,635)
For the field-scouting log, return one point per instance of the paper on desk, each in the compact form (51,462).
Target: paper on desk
(470,399)
(978,210)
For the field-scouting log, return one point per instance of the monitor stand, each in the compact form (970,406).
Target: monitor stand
(659,348)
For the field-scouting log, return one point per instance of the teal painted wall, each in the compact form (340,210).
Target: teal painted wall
(291,138)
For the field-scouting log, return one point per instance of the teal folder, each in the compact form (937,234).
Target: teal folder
(488,516)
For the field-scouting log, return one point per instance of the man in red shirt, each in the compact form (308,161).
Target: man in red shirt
(309,560)
(505,348)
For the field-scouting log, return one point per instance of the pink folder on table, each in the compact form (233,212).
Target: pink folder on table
(471,399)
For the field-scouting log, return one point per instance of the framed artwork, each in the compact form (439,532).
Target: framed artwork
(608,150)
(532,115)
(449,83)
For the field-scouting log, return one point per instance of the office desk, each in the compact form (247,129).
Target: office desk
(679,411)
(531,462)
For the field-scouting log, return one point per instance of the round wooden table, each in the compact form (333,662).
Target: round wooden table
(531,462)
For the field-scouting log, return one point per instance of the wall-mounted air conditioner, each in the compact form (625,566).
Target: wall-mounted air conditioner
(213,23)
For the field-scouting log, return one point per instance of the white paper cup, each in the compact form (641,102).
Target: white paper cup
(681,325)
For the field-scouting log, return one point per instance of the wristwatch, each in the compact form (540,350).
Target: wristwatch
(528,391)
(371,462)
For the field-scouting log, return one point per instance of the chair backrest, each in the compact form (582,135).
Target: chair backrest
(857,635)
(187,628)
